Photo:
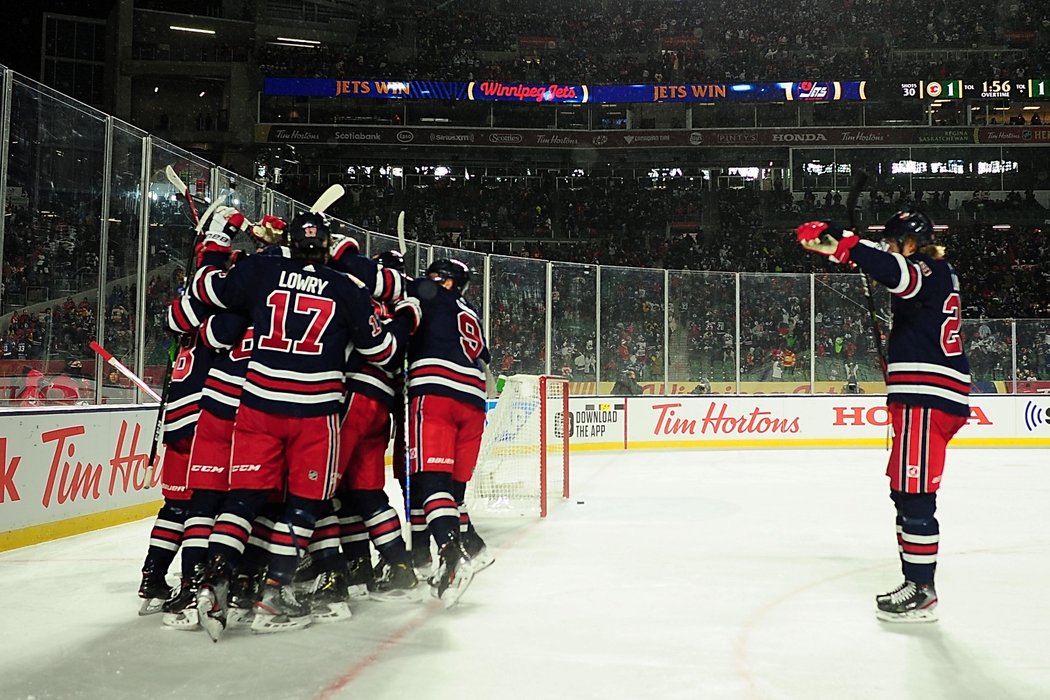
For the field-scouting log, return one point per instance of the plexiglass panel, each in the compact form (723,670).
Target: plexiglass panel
(574,321)
(632,328)
(845,347)
(51,246)
(518,315)
(774,333)
(702,332)
(169,251)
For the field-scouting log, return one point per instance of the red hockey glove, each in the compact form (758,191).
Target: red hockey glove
(825,238)
(269,231)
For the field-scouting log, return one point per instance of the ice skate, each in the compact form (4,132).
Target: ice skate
(479,553)
(244,593)
(153,591)
(212,597)
(422,562)
(180,611)
(329,599)
(911,602)
(279,610)
(453,575)
(398,584)
(360,578)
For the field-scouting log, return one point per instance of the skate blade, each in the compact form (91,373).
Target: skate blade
(457,587)
(265,623)
(914,616)
(187,619)
(213,625)
(151,606)
(239,618)
(399,595)
(482,560)
(358,591)
(331,612)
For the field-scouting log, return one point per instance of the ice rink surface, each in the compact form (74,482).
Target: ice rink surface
(728,574)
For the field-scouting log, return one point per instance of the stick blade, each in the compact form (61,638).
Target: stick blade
(175,180)
(327,199)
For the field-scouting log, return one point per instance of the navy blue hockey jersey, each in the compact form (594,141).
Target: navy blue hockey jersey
(363,377)
(188,371)
(224,384)
(926,364)
(306,319)
(381,282)
(444,354)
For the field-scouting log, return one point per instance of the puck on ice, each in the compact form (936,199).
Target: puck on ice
(579,503)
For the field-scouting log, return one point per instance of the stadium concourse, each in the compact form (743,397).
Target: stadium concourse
(712,574)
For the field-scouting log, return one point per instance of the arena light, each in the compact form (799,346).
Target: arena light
(299,41)
(940,227)
(193,30)
(1031,108)
(1001,227)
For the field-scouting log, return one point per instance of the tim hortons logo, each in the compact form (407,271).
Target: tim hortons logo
(880,415)
(718,422)
(70,479)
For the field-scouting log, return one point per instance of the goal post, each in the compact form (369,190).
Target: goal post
(524,458)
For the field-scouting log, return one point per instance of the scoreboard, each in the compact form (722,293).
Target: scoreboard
(1036,90)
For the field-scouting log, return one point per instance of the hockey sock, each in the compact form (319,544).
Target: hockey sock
(459,492)
(324,544)
(353,535)
(164,538)
(435,491)
(234,525)
(920,535)
(291,535)
(200,519)
(383,524)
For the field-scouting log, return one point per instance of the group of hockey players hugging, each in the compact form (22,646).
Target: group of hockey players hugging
(282,399)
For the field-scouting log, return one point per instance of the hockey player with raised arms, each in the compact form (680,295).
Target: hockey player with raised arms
(446,415)
(928,386)
(306,317)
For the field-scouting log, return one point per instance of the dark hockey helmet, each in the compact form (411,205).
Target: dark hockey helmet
(308,235)
(392,259)
(909,223)
(450,269)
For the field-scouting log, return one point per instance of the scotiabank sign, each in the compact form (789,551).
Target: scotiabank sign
(799,421)
(60,464)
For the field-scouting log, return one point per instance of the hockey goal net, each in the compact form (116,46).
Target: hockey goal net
(524,458)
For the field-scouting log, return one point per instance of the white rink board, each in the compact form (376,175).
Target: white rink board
(57,464)
(786,421)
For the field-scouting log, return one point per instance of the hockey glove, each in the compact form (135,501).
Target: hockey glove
(409,308)
(218,232)
(826,238)
(269,231)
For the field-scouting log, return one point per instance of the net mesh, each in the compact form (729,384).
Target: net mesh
(526,425)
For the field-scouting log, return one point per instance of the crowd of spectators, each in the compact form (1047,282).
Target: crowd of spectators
(627,41)
(634,227)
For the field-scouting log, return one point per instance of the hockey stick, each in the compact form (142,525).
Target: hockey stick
(184,190)
(108,358)
(873,317)
(327,199)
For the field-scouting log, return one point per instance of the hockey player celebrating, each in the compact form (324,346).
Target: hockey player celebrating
(446,391)
(928,386)
(305,317)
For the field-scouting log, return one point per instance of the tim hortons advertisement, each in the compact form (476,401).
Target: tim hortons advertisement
(669,422)
(67,463)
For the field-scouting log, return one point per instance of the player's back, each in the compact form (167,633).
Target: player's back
(443,354)
(926,361)
(302,315)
